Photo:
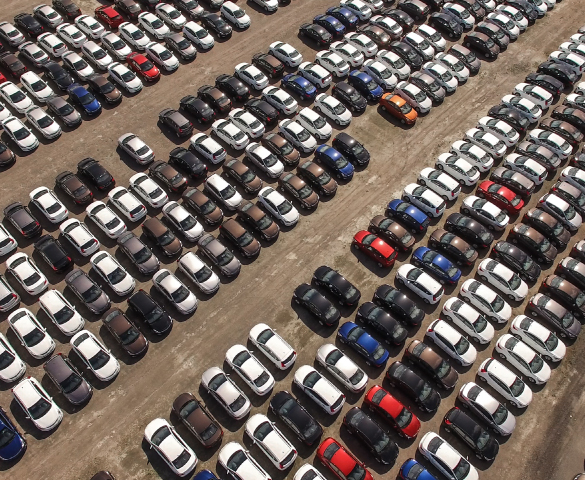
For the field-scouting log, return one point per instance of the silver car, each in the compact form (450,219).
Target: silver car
(136,148)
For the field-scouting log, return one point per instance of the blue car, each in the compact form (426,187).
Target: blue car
(365,84)
(363,343)
(335,161)
(299,85)
(205,475)
(412,469)
(436,264)
(78,95)
(345,16)
(331,24)
(12,443)
(409,215)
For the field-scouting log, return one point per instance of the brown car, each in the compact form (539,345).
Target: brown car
(549,226)
(431,363)
(282,148)
(534,242)
(569,132)
(215,98)
(392,231)
(7,157)
(454,246)
(67,379)
(481,43)
(259,220)
(101,86)
(244,175)
(545,156)
(74,187)
(11,63)
(269,64)
(318,178)
(572,115)
(125,332)
(240,237)
(379,36)
(570,295)
(203,206)
(172,179)
(515,181)
(103,475)
(154,229)
(297,187)
(197,419)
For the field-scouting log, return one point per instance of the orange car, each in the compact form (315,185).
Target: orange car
(398,107)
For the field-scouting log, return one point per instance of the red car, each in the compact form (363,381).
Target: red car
(109,16)
(2,78)
(143,67)
(501,196)
(401,418)
(342,463)
(374,247)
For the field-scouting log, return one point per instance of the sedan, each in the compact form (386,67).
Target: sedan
(445,458)
(505,382)
(150,312)
(96,173)
(175,452)
(414,96)
(197,419)
(500,196)
(518,260)
(557,315)
(175,291)
(532,111)
(341,367)
(278,206)
(15,97)
(48,203)
(319,389)
(561,210)
(452,342)
(226,392)
(469,320)
(143,67)
(95,355)
(25,271)
(199,273)
(375,247)
(316,33)
(168,176)
(250,370)
(472,153)
(124,77)
(540,338)
(480,208)
(524,358)
(458,168)
(486,300)
(413,386)
(271,441)
(80,96)
(436,264)
(219,255)
(420,283)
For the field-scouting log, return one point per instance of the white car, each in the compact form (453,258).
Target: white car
(465,18)
(422,46)
(183,221)
(504,279)
(61,312)
(268,5)
(230,134)
(298,135)
(314,123)
(574,100)
(578,38)
(420,283)
(395,63)
(575,176)
(4,112)
(424,198)
(278,206)
(105,218)
(48,15)
(271,344)
(251,75)
(528,107)
(148,190)
(506,23)
(363,43)
(133,35)
(442,184)
(319,389)
(36,403)
(116,276)
(358,8)
(348,52)
(486,140)
(127,203)
(240,464)
(570,60)
(71,35)
(271,441)
(414,96)
(265,160)
(90,26)
(124,77)
(332,62)
(175,291)
(247,122)
(234,14)
(95,355)
(199,273)
(163,438)
(43,122)
(136,148)
(7,244)
(494,217)
(12,367)
(162,56)
(454,65)
(333,109)
(8,297)
(342,368)
(223,192)
(153,25)
(52,44)
(22,267)
(487,408)
(30,333)
(250,370)
(576,48)
(389,25)
(505,382)
(286,53)
(535,94)
(381,73)
(116,46)
(48,203)
(170,15)
(75,63)
(445,458)
(562,210)
(20,134)
(432,36)
(226,392)
(280,100)
(316,74)
(15,97)
(96,55)
(486,300)
(499,129)
(458,168)
(469,320)
(526,166)
(441,74)
(538,337)
(552,141)
(521,356)
(198,35)
(32,52)
(475,155)
(208,148)
(12,35)
(375,5)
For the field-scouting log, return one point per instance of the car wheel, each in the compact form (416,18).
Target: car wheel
(423,183)
(482,379)
(356,246)
(462,182)
(383,108)
(502,356)
(450,34)
(426,300)
(548,358)
(399,281)
(296,300)
(465,210)
(563,334)
(531,380)
(512,297)
(447,429)
(380,265)
(490,227)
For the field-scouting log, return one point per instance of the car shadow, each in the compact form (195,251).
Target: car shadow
(371,265)
(229,423)
(157,463)
(316,412)
(311,322)
(359,449)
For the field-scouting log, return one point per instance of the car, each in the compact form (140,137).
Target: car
(127,203)
(328,278)
(446,22)
(97,174)
(219,255)
(381,73)
(183,158)
(299,189)
(523,358)
(124,77)
(549,83)
(131,34)
(234,87)
(171,15)
(454,65)
(136,148)
(412,385)
(332,62)
(157,319)
(116,46)
(500,196)
(248,123)
(527,166)
(251,75)
(468,319)
(460,13)
(235,15)
(268,63)
(196,34)
(360,9)
(47,15)
(408,214)
(487,141)
(363,43)
(344,15)
(458,168)
(485,211)
(486,300)
(315,32)
(43,122)
(418,10)
(541,153)
(390,26)
(280,100)
(552,141)
(259,220)
(535,242)
(197,419)
(525,106)
(125,332)
(143,67)
(392,232)
(53,253)
(571,194)
(223,192)
(341,367)
(215,98)
(350,97)
(243,175)
(226,392)
(314,123)
(566,292)
(138,253)
(445,458)
(30,333)
(375,247)
(249,369)
(72,185)
(208,148)
(566,130)
(243,240)
(382,322)
(205,279)
(573,61)
(414,96)
(29,24)
(435,263)
(312,72)
(231,134)
(79,95)
(87,291)
(512,116)
(298,135)
(496,32)
(167,175)
(331,24)
(505,382)
(497,128)
(562,210)
(29,394)
(239,463)
(33,53)
(399,108)
(504,279)
(15,97)
(162,236)
(7,241)
(202,205)
(108,15)
(518,260)
(65,111)
(153,25)
(175,291)
(401,17)
(548,226)
(180,44)
(540,338)
(558,70)
(263,111)
(278,351)
(10,34)
(537,95)
(15,444)
(442,75)
(175,452)
(517,182)
(348,52)
(278,206)
(71,35)
(420,283)
(196,107)
(110,270)
(216,24)
(22,219)
(47,202)
(52,45)
(395,413)
(319,389)
(441,183)
(365,85)
(295,417)
(89,26)
(555,314)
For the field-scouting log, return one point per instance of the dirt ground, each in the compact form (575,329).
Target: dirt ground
(107,432)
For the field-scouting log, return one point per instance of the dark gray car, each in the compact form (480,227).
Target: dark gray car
(65,111)
(87,291)
(219,255)
(67,379)
(138,253)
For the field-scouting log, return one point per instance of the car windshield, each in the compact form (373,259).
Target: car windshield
(248,176)
(462,345)
(166,238)
(245,239)
(116,276)
(6,436)
(92,294)
(303,135)
(33,338)
(567,320)
(239,13)
(99,54)
(405,109)
(425,391)
(419,96)
(86,99)
(129,336)
(358,473)
(174,14)
(236,460)
(183,44)
(99,360)
(225,258)
(21,134)
(207,207)
(341,162)
(156,23)
(228,192)
(38,86)
(44,121)
(284,207)
(544,245)
(80,65)
(517,387)
(188,222)
(17,96)
(146,66)
(203,274)
(39,409)
(71,383)
(66,109)
(180,294)
(6,359)
(536,364)
(128,76)
(209,432)
(154,315)
(461,470)
(63,315)
(119,44)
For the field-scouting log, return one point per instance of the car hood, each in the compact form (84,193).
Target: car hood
(50,419)
(13,449)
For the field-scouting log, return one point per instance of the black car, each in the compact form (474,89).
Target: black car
(59,75)
(269,64)
(408,54)
(150,312)
(573,115)
(100,86)
(345,292)
(527,9)
(215,98)
(187,161)
(495,32)
(29,24)
(215,23)
(401,17)
(484,445)
(348,19)
(549,226)
(22,219)
(196,107)
(97,175)
(483,44)
(263,111)
(402,307)
(382,322)
(331,24)
(371,434)
(511,116)
(469,229)
(138,253)
(467,57)
(417,9)
(552,84)
(350,97)
(130,9)
(412,385)
(233,87)
(439,369)
(292,413)
(53,253)
(446,23)
(351,149)
(558,71)
(518,260)
(67,8)
(317,304)
(316,33)
(435,5)
(176,121)
(429,85)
